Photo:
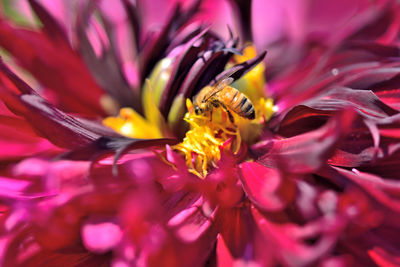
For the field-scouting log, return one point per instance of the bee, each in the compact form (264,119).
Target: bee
(229,98)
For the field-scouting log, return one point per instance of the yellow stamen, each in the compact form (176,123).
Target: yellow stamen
(209,133)
(202,144)
(132,124)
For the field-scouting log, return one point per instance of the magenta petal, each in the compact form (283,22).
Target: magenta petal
(190,224)
(265,186)
(101,237)
(17,139)
(12,188)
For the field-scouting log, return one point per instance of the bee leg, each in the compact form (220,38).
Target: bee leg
(231,119)
(215,104)
(230,116)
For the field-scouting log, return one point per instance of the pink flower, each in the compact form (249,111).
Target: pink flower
(104,164)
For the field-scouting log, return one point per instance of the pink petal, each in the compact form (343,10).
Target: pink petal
(12,188)
(101,237)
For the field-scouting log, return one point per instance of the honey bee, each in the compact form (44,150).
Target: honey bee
(229,98)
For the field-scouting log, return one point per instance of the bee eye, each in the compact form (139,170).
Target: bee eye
(197,110)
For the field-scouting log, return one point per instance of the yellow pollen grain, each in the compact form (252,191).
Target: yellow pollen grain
(202,144)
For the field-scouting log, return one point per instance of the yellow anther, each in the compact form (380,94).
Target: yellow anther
(201,145)
(209,131)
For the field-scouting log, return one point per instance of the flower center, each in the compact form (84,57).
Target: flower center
(213,132)
(208,134)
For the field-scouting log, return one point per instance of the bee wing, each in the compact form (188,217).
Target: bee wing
(221,84)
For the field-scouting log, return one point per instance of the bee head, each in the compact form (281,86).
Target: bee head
(198,110)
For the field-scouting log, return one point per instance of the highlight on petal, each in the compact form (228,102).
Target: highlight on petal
(383,258)
(101,237)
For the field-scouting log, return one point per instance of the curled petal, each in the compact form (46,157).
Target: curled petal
(306,152)
(266,187)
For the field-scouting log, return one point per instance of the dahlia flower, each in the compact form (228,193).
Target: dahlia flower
(162,133)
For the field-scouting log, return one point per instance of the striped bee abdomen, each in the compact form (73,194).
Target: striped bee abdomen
(237,102)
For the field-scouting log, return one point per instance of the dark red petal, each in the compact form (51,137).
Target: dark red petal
(307,152)
(239,70)
(106,68)
(58,127)
(154,50)
(313,113)
(118,145)
(383,26)
(135,22)
(384,191)
(287,242)
(236,228)
(389,91)
(383,258)
(52,28)
(53,258)
(56,67)
(18,140)
(243,12)
(374,149)
(378,49)
(366,103)
(181,67)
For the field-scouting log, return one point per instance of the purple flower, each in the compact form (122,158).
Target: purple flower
(107,161)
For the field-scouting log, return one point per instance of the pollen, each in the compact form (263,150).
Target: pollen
(212,133)
(208,134)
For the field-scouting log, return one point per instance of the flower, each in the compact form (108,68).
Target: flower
(110,163)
